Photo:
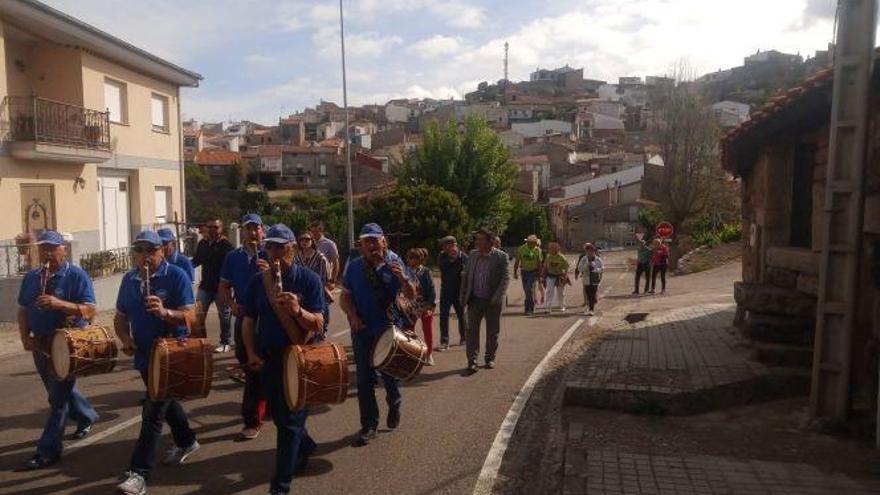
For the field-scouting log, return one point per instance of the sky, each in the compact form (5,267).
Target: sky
(265,58)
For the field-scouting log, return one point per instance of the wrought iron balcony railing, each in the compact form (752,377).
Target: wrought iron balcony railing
(44,121)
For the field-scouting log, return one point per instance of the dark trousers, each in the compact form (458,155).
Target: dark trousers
(362,346)
(292,440)
(661,269)
(253,405)
(643,268)
(153,414)
(479,309)
(224,313)
(448,301)
(65,402)
(592,292)
(529,278)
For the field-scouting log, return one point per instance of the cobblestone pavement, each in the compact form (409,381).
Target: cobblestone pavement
(614,472)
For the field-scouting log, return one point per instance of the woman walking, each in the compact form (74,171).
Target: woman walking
(555,277)
(659,263)
(425,295)
(590,269)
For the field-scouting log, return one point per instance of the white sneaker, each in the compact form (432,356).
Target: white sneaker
(222,348)
(430,361)
(562,309)
(177,455)
(132,484)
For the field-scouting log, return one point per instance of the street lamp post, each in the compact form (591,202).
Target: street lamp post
(348,191)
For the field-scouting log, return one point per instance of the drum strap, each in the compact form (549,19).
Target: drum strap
(286,319)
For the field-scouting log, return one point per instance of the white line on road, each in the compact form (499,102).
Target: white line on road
(493,460)
(97,437)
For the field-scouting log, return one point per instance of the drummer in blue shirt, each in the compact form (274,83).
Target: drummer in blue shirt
(173,256)
(239,266)
(53,296)
(140,320)
(300,304)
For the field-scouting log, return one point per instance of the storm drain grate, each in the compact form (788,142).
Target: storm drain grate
(633,318)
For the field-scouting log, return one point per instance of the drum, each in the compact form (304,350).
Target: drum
(399,354)
(315,374)
(180,370)
(82,352)
(198,330)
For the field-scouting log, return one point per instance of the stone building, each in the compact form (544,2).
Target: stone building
(781,156)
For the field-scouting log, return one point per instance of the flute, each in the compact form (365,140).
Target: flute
(278,287)
(145,285)
(44,282)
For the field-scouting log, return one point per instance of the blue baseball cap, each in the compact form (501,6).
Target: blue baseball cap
(372,230)
(251,218)
(167,235)
(280,234)
(51,238)
(150,237)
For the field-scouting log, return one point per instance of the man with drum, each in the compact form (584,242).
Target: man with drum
(155,300)
(370,286)
(173,256)
(283,306)
(239,267)
(53,296)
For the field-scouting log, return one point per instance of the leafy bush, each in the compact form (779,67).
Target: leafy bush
(731,232)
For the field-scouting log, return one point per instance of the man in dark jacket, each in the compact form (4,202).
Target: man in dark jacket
(210,253)
(452,262)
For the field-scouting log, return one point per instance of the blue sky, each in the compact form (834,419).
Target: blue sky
(264,58)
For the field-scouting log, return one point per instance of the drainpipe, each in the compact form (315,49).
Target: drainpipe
(180,161)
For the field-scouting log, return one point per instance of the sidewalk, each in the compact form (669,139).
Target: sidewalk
(677,355)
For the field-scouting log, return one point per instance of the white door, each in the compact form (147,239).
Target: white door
(115,232)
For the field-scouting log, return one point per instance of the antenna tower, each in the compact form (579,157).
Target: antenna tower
(506,50)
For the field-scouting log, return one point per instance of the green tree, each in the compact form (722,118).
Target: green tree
(424,213)
(526,218)
(470,162)
(236,176)
(254,202)
(196,178)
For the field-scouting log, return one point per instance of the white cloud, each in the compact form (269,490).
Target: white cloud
(257,58)
(369,44)
(435,46)
(457,13)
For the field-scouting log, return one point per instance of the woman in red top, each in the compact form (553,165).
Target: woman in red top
(659,262)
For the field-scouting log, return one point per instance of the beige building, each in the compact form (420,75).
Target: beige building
(91,138)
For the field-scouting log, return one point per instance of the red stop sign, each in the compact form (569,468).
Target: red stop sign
(664,230)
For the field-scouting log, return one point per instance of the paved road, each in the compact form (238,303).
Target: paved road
(449,423)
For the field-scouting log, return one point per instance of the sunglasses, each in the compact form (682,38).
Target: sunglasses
(305,239)
(144,249)
(274,245)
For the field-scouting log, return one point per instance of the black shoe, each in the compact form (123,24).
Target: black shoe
(490,364)
(82,432)
(366,436)
(394,417)
(461,342)
(302,463)
(38,462)
(472,368)
(635,292)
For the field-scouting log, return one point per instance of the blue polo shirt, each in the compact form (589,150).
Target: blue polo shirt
(238,269)
(271,337)
(182,262)
(70,283)
(370,303)
(171,285)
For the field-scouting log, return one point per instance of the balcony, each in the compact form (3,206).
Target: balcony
(41,129)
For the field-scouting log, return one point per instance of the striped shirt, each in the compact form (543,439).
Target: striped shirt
(481,277)
(316,263)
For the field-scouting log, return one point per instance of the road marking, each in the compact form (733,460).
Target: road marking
(97,437)
(486,480)
(340,334)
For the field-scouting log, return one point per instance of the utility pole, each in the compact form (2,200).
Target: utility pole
(843,215)
(348,191)
(506,53)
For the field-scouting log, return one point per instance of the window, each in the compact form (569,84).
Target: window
(163,206)
(115,101)
(322,170)
(159,106)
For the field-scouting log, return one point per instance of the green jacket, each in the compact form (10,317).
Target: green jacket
(644,255)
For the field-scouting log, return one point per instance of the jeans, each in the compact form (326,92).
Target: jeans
(643,268)
(448,301)
(223,312)
(65,402)
(154,412)
(528,282)
(661,269)
(362,346)
(292,441)
(592,295)
(253,405)
(478,309)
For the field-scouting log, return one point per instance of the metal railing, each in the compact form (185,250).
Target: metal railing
(18,259)
(32,118)
(106,263)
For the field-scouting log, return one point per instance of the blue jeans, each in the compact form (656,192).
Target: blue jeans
(65,402)
(528,281)
(447,301)
(154,412)
(292,441)
(362,347)
(223,312)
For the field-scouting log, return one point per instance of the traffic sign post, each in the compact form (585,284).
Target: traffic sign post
(664,230)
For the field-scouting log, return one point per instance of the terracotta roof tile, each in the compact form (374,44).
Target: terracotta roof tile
(217,157)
